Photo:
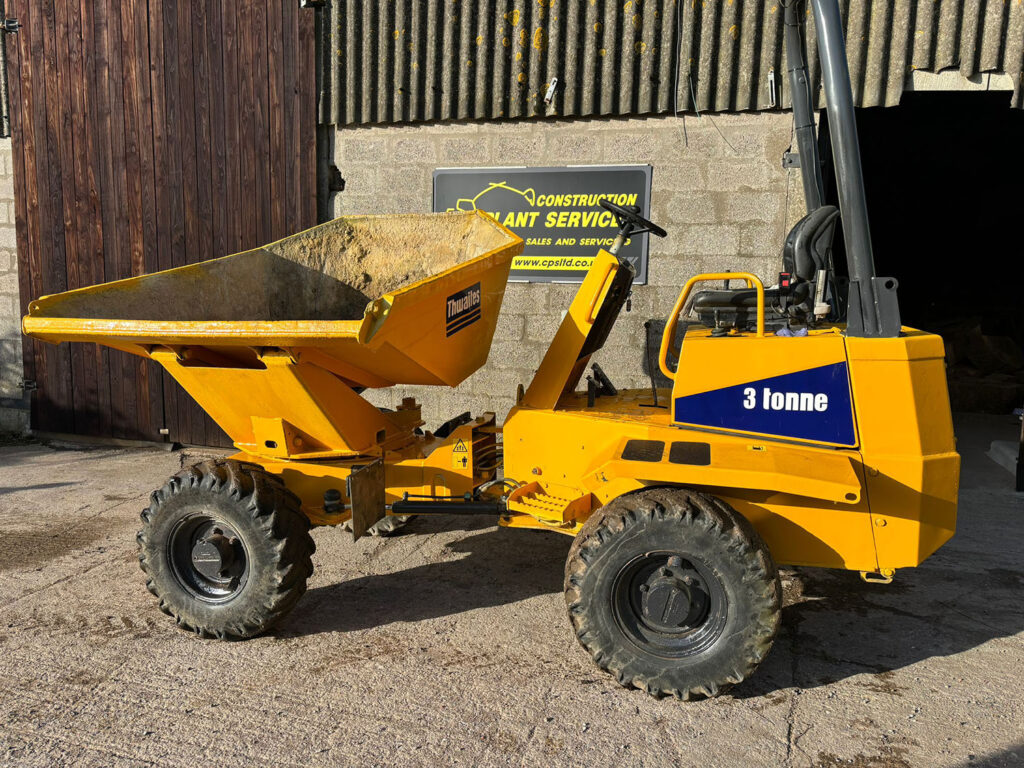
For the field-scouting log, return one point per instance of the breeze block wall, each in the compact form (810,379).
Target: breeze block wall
(718,188)
(13,406)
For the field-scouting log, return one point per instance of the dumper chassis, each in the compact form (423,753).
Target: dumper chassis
(803,423)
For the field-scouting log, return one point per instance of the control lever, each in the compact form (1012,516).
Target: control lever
(785,287)
(605,384)
(598,385)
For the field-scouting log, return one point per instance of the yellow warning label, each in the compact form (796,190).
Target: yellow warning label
(460,455)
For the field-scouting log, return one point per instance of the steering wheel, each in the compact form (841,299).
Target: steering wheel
(631,215)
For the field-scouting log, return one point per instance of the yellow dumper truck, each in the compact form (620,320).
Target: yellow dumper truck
(804,424)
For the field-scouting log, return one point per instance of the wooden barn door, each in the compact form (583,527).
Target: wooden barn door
(148,135)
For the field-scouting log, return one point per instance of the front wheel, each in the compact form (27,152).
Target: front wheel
(225,548)
(673,592)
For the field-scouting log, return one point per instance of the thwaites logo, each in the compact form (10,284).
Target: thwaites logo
(462,309)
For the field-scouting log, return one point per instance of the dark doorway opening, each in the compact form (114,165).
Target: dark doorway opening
(943,174)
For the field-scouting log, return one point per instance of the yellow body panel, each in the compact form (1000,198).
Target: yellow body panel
(561,367)
(805,501)
(768,356)
(864,478)
(912,467)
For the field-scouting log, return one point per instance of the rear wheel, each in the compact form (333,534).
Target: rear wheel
(673,592)
(225,548)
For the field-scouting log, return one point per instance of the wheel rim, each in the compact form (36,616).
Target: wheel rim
(208,558)
(669,603)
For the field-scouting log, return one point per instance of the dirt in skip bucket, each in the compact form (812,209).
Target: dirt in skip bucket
(330,272)
(334,271)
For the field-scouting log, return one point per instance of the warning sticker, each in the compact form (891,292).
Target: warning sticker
(460,455)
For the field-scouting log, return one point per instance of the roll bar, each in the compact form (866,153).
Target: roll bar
(668,336)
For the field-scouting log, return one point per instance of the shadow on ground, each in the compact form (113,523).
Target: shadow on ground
(38,487)
(488,566)
(834,626)
(1013,757)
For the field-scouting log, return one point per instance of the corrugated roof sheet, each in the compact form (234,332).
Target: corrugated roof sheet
(397,61)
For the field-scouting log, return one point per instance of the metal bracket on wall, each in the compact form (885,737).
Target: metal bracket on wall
(790,159)
(551,90)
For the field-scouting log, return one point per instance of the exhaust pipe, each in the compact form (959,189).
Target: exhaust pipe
(873,308)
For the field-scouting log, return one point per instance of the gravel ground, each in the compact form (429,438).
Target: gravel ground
(449,644)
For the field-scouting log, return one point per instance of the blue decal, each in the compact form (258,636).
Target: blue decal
(809,405)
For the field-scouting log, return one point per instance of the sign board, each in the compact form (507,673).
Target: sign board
(555,210)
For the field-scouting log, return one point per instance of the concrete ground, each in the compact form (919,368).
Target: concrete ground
(450,645)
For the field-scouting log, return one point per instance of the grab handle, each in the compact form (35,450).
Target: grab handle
(668,338)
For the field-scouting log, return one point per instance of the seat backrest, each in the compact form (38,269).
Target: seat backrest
(808,244)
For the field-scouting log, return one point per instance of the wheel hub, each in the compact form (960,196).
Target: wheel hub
(208,557)
(674,598)
(214,555)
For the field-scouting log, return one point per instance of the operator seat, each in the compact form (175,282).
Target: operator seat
(805,251)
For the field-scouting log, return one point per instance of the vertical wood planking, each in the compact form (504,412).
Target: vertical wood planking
(290,110)
(148,135)
(85,359)
(120,237)
(218,143)
(135,371)
(247,111)
(150,373)
(34,107)
(275,104)
(56,412)
(210,153)
(162,85)
(261,122)
(192,421)
(21,133)
(177,100)
(98,79)
(306,144)
(65,131)
(230,56)
(89,159)
(202,165)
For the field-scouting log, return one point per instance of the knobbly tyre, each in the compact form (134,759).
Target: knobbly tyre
(803,425)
